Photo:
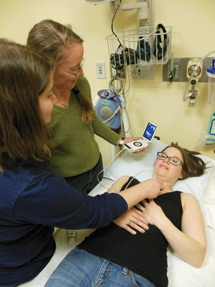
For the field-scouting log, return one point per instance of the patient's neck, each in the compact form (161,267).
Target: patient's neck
(167,183)
(166,191)
(167,188)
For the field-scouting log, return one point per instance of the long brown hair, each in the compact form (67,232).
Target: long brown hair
(24,75)
(50,38)
(192,164)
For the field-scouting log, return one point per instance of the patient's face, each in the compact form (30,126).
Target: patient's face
(167,171)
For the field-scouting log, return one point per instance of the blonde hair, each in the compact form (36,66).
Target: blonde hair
(50,39)
(24,75)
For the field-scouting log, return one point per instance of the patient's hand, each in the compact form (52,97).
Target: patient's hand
(132,219)
(153,212)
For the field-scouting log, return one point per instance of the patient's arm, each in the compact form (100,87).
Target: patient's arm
(190,243)
(132,220)
(117,186)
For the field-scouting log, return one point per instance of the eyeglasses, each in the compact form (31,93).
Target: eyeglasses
(172,159)
(80,69)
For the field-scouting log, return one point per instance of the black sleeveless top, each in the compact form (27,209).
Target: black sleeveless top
(144,254)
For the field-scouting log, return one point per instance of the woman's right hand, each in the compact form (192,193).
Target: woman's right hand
(132,220)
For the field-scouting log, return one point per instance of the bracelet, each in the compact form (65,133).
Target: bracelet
(121,142)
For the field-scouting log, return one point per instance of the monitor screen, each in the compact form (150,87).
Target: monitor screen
(149,131)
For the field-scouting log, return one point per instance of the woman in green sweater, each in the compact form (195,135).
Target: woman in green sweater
(74,122)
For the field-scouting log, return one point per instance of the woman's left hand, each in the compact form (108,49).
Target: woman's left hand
(132,220)
(131,139)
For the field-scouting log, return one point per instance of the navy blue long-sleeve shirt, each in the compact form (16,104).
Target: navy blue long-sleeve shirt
(32,202)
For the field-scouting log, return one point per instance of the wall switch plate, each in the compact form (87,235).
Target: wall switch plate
(100,70)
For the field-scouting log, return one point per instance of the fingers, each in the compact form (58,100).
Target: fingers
(146,202)
(133,220)
(137,215)
(130,230)
(140,207)
(137,221)
(136,227)
(141,149)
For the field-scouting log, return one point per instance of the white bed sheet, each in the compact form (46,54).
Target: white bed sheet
(141,165)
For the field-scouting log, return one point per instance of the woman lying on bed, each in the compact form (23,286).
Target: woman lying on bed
(112,257)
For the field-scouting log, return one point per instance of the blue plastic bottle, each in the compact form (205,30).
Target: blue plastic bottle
(211,129)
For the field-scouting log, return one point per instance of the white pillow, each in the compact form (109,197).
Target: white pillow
(140,165)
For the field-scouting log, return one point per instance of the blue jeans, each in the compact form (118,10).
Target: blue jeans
(86,181)
(82,269)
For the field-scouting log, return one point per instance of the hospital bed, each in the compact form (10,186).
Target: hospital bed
(140,165)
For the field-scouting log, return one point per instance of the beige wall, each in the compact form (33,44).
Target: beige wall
(161,102)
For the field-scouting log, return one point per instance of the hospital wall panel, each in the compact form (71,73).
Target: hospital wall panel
(161,102)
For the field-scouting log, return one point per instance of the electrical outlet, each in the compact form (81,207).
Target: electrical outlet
(142,72)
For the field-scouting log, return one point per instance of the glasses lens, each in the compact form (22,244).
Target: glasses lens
(161,155)
(80,69)
(174,160)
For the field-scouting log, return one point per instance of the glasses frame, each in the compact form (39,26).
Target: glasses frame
(169,158)
(80,69)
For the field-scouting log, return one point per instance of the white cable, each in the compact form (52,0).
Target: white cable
(143,170)
(118,89)
(113,88)
(125,122)
(136,176)
(133,177)
(116,111)
(129,81)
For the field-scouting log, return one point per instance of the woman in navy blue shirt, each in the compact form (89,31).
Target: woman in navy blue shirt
(34,200)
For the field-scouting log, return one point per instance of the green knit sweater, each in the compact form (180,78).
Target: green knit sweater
(77,151)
